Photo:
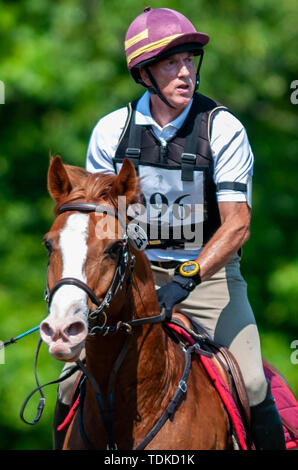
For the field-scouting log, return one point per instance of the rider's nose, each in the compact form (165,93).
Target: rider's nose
(183,70)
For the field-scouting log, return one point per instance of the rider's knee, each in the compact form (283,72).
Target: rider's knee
(256,388)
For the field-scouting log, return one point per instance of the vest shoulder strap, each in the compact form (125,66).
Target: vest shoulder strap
(202,105)
(211,116)
(130,108)
(189,156)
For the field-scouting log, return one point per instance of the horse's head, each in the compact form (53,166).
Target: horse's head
(84,244)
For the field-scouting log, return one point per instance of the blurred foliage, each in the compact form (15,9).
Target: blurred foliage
(63,67)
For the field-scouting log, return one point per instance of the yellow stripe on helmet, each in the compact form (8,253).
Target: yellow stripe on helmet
(152,46)
(137,38)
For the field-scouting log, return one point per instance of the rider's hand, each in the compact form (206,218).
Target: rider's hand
(173,293)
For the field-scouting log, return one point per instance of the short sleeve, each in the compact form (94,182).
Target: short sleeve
(104,141)
(233,158)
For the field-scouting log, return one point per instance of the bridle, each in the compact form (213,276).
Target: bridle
(125,265)
(124,268)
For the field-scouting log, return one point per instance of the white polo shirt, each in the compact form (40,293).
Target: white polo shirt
(233,157)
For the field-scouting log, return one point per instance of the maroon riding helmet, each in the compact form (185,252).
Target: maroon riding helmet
(155,35)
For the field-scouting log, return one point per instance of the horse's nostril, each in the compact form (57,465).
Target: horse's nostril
(75,329)
(46,329)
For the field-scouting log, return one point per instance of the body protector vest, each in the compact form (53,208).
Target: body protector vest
(179,206)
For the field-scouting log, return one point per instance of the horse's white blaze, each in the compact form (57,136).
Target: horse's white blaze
(69,300)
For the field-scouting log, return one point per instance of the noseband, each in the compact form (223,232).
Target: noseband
(126,262)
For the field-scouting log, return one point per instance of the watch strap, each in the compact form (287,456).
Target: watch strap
(187,283)
(195,277)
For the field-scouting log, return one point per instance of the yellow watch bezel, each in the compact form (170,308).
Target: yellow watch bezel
(189,263)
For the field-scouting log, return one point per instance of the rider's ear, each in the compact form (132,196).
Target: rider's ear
(126,183)
(59,184)
(144,77)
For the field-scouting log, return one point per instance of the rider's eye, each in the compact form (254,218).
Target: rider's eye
(48,244)
(113,249)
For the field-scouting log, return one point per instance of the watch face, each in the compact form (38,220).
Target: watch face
(190,268)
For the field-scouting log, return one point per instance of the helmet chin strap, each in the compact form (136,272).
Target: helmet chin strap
(154,90)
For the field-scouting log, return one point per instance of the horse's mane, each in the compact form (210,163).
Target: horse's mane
(92,186)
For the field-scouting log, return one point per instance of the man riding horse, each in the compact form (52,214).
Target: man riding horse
(190,149)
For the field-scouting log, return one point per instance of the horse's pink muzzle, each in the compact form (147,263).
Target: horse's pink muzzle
(65,337)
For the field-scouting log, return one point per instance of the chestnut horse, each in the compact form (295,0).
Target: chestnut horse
(134,364)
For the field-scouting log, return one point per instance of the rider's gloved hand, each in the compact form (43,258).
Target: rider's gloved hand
(186,278)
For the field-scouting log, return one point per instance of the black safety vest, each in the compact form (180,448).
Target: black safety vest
(186,160)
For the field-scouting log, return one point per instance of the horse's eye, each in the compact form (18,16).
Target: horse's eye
(49,246)
(113,249)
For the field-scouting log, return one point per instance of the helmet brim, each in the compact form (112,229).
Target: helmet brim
(195,38)
(187,42)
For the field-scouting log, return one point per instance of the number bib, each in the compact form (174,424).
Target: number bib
(173,209)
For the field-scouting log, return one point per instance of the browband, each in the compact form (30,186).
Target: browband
(91,207)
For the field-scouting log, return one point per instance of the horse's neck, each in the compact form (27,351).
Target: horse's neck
(148,359)
(145,343)
(150,371)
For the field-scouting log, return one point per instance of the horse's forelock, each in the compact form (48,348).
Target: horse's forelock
(98,187)
(92,187)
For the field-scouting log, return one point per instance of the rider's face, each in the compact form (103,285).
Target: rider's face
(176,78)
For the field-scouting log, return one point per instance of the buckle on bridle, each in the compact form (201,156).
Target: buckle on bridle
(124,326)
(183,386)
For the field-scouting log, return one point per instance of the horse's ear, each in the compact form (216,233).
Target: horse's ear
(126,183)
(59,184)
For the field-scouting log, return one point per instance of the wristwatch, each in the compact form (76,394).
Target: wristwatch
(188,275)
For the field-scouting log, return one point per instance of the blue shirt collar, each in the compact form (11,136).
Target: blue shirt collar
(144,117)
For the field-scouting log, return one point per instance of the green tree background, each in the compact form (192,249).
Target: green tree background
(63,67)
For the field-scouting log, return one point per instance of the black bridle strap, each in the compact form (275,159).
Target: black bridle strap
(72,281)
(174,404)
(149,320)
(88,207)
(39,388)
(107,412)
